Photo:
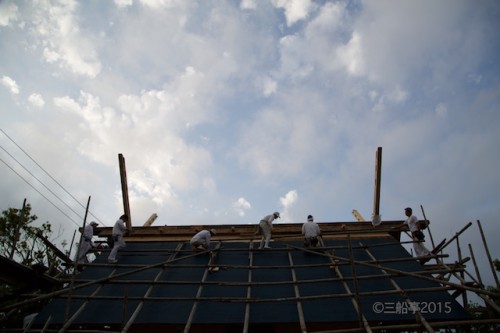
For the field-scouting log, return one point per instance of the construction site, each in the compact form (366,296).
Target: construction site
(361,278)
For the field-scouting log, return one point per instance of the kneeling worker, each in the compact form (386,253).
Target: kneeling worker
(201,241)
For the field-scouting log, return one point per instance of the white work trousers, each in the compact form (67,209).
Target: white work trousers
(118,244)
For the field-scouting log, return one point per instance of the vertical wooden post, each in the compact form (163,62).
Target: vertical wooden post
(378,178)
(123,178)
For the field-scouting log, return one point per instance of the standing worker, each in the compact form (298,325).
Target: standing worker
(266,227)
(86,243)
(118,230)
(202,239)
(416,234)
(311,232)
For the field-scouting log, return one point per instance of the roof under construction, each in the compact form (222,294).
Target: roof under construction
(362,279)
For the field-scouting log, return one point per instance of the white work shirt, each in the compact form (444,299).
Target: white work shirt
(310,229)
(269,219)
(119,228)
(88,233)
(412,223)
(202,237)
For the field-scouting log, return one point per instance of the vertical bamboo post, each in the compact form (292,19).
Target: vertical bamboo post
(475,266)
(123,178)
(249,288)
(75,263)
(488,254)
(462,275)
(428,226)
(355,280)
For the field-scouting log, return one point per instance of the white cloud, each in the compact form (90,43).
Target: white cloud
(241,205)
(36,100)
(10,84)
(248,4)
(287,202)
(295,10)
(8,13)
(351,55)
(123,3)
(62,39)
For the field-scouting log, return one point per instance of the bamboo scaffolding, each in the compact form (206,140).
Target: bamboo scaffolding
(200,289)
(249,289)
(493,271)
(478,275)
(148,292)
(261,300)
(418,314)
(412,274)
(355,296)
(337,247)
(75,262)
(479,292)
(102,280)
(300,311)
(457,234)
(462,274)
(362,320)
(68,322)
(402,259)
(428,226)
(243,283)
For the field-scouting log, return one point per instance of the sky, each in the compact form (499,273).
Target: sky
(226,111)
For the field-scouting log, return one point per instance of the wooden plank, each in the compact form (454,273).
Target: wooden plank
(123,178)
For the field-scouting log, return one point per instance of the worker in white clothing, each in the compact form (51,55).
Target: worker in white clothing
(266,227)
(119,230)
(201,241)
(311,232)
(417,235)
(86,243)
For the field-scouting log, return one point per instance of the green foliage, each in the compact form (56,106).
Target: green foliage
(18,240)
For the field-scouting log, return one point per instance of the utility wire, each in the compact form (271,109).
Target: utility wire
(62,187)
(54,194)
(27,182)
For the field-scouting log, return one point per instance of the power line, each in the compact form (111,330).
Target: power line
(48,174)
(39,181)
(27,182)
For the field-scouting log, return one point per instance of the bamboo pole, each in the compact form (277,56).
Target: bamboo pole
(428,226)
(300,311)
(148,292)
(412,274)
(478,275)
(462,275)
(249,289)
(493,271)
(245,299)
(418,314)
(355,282)
(75,262)
(457,234)
(250,283)
(97,281)
(198,293)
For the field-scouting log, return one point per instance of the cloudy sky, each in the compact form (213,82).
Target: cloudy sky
(228,110)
